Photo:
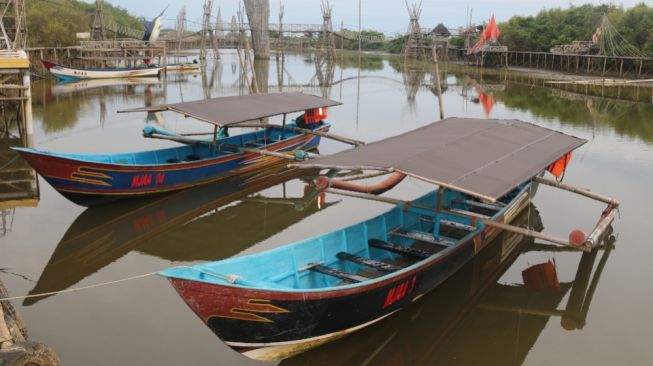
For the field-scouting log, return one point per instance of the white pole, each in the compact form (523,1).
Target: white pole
(29,128)
(360,40)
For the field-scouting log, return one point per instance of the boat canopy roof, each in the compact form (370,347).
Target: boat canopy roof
(225,111)
(483,157)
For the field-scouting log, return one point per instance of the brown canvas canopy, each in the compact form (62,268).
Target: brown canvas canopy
(227,111)
(485,158)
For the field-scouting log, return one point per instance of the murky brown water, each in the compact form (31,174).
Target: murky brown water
(485,314)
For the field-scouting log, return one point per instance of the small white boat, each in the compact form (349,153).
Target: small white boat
(71,73)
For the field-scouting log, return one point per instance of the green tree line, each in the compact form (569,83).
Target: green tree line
(553,27)
(55,22)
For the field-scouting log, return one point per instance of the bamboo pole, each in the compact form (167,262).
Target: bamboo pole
(184,140)
(595,236)
(261,152)
(251,65)
(328,135)
(486,222)
(437,80)
(578,190)
(244,70)
(292,128)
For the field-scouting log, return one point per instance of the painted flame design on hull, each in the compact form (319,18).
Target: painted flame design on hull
(249,310)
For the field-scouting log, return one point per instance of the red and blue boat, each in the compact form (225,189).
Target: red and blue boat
(91,179)
(280,302)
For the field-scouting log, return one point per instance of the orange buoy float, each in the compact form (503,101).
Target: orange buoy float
(577,238)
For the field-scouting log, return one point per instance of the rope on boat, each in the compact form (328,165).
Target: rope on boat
(76,289)
(229,278)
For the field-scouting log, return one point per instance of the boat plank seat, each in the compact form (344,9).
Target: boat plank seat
(457,225)
(422,236)
(399,249)
(488,206)
(255,143)
(346,276)
(469,213)
(378,265)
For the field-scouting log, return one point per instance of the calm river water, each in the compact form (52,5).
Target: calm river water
(488,313)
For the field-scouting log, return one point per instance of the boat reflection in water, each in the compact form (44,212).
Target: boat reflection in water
(473,308)
(180,222)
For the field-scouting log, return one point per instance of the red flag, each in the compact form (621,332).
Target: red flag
(491,32)
(558,168)
(487,101)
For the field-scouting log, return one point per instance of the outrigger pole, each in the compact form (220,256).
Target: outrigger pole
(331,136)
(590,242)
(186,140)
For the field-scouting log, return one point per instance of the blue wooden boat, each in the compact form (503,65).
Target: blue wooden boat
(277,303)
(91,179)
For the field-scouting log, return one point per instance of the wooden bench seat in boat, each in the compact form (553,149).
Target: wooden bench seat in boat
(488,206)
(378,265)
(457,225)
(449,229)
(469,213)
(399,249)
(346,276)
(423,236)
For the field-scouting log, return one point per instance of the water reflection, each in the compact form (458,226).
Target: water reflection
(18,184)
(472,311)
(206,223)
(472,317)
(627,112)
(484,97)
(58,105)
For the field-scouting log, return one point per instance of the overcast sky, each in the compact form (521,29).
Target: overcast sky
(389,16)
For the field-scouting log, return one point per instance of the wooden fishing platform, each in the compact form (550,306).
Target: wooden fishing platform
(613,66)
